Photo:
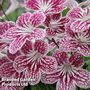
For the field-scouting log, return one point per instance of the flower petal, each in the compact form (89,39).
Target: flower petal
(45,5)
(24,19)
(10,87)
(13,56)
(27,47)
(75,13)
(65,85)
(71,4)
(37,19)
(32,4)
(50,32)
(41,46)
(20,63)
(85,50)
(50,78)
(2,46)
(56,16)
(39,33)
(56,9)
(82,78)
(33,74)
(12,33)
(17,44)
(61,57)
(47,20)
(4,26)
(77,60)
(78,26)
(3,60)
(48,64)
(7,69)
(67,44)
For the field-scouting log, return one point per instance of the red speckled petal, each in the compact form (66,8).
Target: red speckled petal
(82,78)
(39,33)
(37,19)
(77,60)
(17,44)
(41,46)
(61,57)
(4,26)
(7,69)
(20,63)
(50,78)
(75,13)
(24,20)
(33,73)
(48,64)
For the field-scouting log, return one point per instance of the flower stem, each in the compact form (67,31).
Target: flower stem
(4,12)
(55,42)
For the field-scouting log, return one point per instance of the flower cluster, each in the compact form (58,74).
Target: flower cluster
(45,45)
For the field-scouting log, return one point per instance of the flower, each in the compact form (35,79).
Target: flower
(27,28)
(69,72)
(76,42)
(34,61)
(46,6)
(55,24)
(81,18)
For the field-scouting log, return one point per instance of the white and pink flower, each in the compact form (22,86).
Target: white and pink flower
(46,6)
(55,24)
(76,42)
(80,17)
(27,28)
(69,73)
(34,61)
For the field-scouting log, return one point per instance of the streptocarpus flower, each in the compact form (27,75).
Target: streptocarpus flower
(81,18)
(69,73)
(26,29)
(34,61)
(55,24)
(76,42)
(46,6)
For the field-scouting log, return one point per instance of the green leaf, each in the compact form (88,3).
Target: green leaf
(65,11)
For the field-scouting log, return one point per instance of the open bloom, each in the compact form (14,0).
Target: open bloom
(76,42)
(46,6)
(55,24)
(26,29)
(69,72)
(34,61)
(81,18)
